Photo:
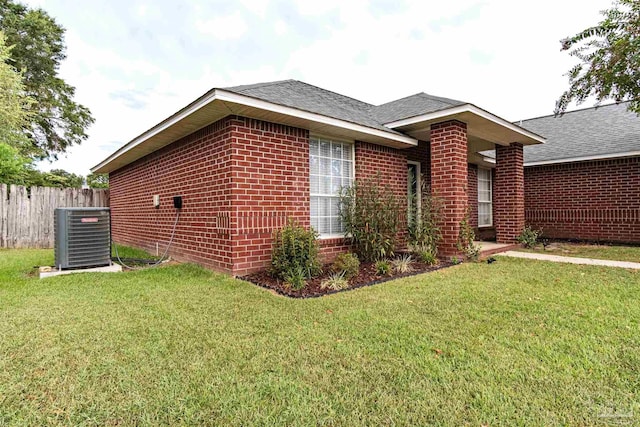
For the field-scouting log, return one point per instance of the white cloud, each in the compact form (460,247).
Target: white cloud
(223,27)
(503,56)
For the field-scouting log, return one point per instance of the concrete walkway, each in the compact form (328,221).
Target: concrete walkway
(573,260)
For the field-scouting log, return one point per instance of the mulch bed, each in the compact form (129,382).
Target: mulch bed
(366,277)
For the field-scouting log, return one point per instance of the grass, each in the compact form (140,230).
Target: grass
(517,342)
(581,250)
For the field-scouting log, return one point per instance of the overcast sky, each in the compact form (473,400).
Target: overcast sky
(135,62)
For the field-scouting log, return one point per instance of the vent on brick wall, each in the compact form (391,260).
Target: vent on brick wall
(82,237)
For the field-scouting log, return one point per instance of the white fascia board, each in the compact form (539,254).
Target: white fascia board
(225,96)
(466,108)
(584,158)
(172,120)
(314,117)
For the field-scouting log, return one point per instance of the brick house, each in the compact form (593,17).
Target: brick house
(247,158)
(584,182)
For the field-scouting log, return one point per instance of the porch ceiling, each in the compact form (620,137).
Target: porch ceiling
(483,128)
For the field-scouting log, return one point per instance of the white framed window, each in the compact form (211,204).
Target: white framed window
(485,198)
(331,168)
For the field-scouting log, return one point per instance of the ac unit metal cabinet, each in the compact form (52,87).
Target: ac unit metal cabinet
(82,237)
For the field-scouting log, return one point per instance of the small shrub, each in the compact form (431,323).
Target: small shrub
(455,260)
(467,238)
(404,264)
(295,278)
(383,267)
(336,282)
(529,237)
(423,230)
(427,257)
(348,264)
(370,213)
(295,252)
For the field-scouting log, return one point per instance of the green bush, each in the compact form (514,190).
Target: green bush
(529,237)
(383,267)
(336,281)
(370,213)
(404,264)
(347,263)
(295,278)
(466,240)
(423,230)
(295,253)
(427,257)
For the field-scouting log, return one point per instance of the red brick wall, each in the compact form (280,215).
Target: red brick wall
(422,154)
(449,180)
(391,165)
(508,194)
(269,183)
(198,167)
(596,200)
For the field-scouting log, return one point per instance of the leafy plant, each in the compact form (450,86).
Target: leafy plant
(370,212)
(336,281)
(609,55)
(423,230)
(455,260)
(383,267)
(427,257)
(467,238)
(404,264)
(295,253)
(529,237)
(347,263)
(295,278)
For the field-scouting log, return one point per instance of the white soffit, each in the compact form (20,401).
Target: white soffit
(217,104)
(480,124)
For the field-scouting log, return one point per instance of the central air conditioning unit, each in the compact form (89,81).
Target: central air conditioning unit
(82,237)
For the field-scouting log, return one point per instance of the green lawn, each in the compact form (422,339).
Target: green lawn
(616,253)
(516,342)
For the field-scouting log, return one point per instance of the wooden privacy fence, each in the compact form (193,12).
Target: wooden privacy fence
(26,215)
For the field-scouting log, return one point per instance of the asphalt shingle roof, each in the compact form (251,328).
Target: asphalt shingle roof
(608,129)
(306,97)
(412,106)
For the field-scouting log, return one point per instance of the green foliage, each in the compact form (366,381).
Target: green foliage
(529,237)
(346,263)
(295,254)
(466,239)
(14,104)
(98,180)
(336,282)
(38,50)
(424,232)
(404,264)
(13,166)
(370,212)
(455,260)
(383,267)
(295,277)
(427,257)
(609,55)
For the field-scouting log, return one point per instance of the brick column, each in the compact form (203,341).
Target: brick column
(508,197)
(449,179)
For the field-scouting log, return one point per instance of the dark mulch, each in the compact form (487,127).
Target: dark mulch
(366,277)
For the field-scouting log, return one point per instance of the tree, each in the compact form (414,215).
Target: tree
(610,59)
(98,180)
(38,49)
(14,104)
(13,166)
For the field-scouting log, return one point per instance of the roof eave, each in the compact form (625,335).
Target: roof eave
(526,137)
(234,103)
(608,156)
